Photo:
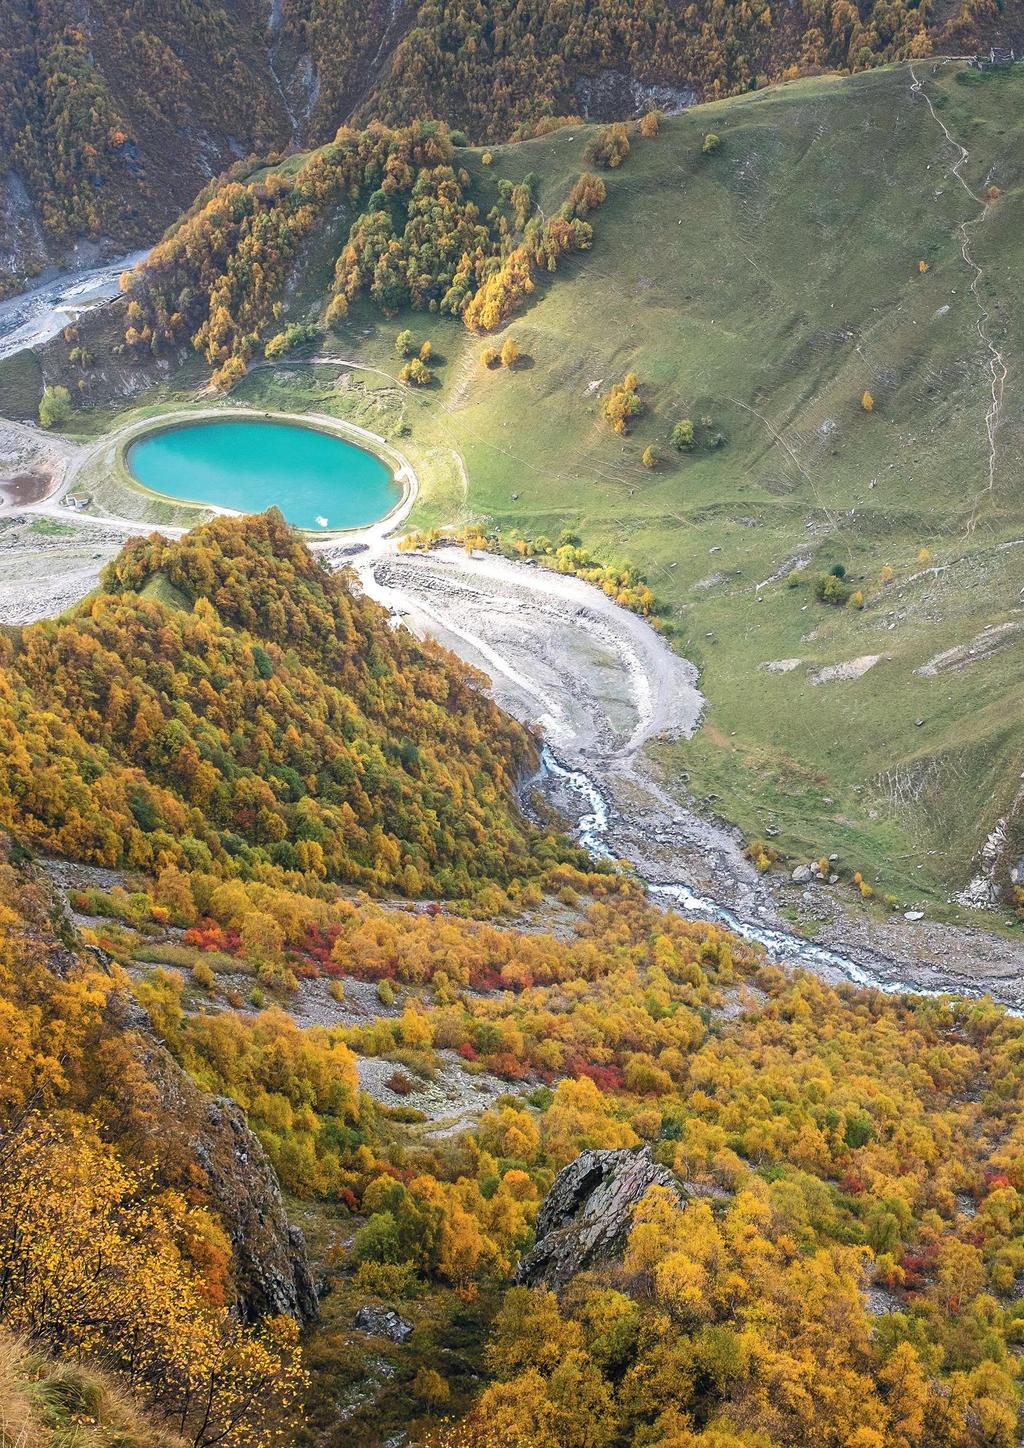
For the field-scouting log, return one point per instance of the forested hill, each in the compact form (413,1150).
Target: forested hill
(833,1250)
(113,114)
(227,705)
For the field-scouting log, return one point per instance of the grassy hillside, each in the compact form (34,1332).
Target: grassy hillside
(769,285)
(43,1405)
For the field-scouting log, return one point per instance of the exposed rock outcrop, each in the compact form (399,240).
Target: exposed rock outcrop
(585,1217)
(194,1131)
(271,1267)
(201,1144)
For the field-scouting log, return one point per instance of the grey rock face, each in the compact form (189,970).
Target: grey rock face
(270,1269)
(383,1322)
(269,1253)
(586,1216)
(203,1143)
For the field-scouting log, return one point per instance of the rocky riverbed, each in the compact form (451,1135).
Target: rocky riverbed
(601,684)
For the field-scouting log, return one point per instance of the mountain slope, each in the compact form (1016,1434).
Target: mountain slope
(113,115)
(814,259)
(833,1246)
(140,1223)
(768,287)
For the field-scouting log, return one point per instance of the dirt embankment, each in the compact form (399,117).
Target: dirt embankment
(46,566)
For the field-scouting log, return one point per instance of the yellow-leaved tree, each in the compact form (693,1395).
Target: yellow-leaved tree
(93,1265)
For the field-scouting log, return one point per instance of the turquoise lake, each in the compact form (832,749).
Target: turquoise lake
(318,480)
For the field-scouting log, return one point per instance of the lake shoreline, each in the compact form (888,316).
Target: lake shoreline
(290,480)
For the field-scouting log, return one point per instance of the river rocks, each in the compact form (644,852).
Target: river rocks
(805,874)
(880,1300)
(613,93)
(380,1321)
(585,1217)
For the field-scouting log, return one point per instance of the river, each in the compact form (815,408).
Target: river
(592,827)
(34,317)
(600,684)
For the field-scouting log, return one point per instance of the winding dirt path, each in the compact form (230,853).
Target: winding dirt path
(997,365)
(78,458)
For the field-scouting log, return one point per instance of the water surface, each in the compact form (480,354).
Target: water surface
(317,479)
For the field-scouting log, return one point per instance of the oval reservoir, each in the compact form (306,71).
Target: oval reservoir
(317,479)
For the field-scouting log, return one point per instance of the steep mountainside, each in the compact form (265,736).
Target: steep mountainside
(798,1211)
(140,1221)
(343,1104)
(113,115)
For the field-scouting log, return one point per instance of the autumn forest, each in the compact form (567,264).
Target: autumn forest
(838,1260)
(354,1092)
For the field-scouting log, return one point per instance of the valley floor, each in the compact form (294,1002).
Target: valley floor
(602,686)
(883,735)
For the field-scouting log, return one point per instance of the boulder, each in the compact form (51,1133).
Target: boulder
(801,875)
(585,1217)
(380,1321)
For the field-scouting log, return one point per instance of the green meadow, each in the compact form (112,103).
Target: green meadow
(768,286)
